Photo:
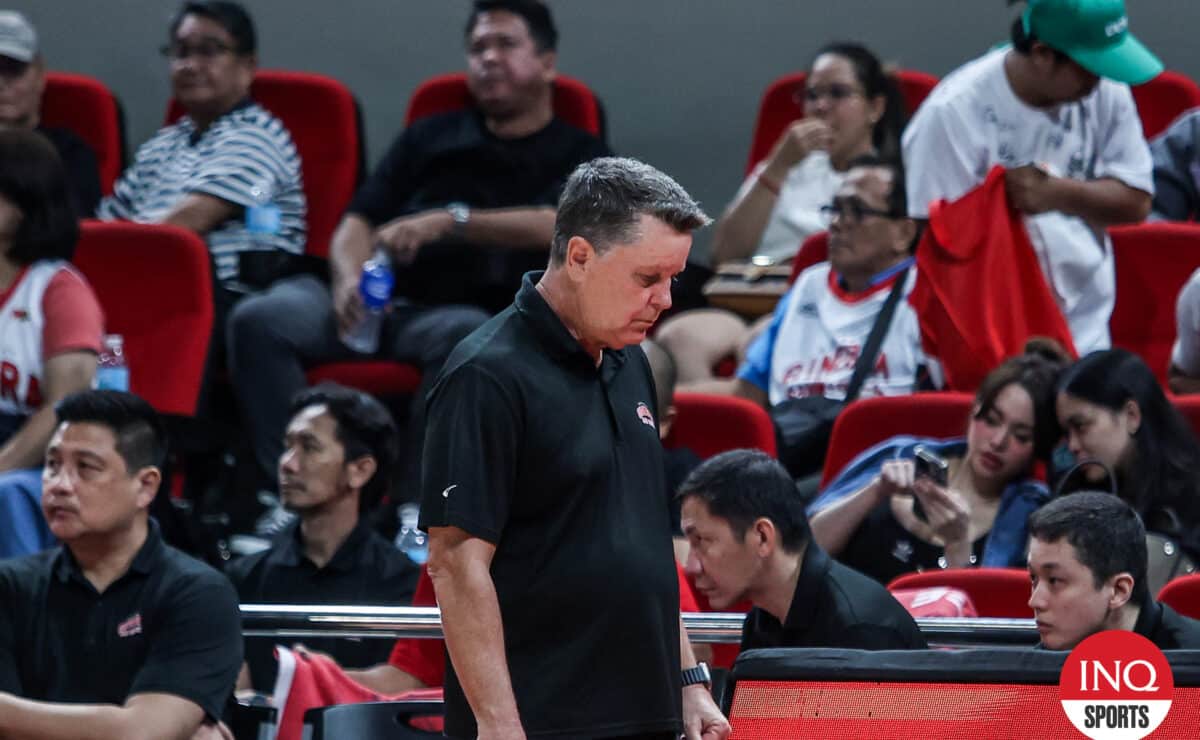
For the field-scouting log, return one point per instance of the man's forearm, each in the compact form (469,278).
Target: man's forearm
(23,719)
(351,246)
(1103,202)
(386,679)
(519,228)
(27,447)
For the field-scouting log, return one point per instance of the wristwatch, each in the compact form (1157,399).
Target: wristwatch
(697,674)
(461,213)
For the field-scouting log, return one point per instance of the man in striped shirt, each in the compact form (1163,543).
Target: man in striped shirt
(227,169)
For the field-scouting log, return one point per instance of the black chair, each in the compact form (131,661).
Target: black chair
(254,720)
(385,720)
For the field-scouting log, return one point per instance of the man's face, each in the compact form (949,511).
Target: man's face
(1061,80)
(21,85)
(506,73)
(208,76)
(862,242)
(1065,601)
(87,488)
(312,468)
(722,566)
(623,290)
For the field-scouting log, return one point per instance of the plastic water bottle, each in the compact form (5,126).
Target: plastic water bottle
(375,288)
(410,540)
(112,374)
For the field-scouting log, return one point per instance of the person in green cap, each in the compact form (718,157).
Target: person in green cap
(1054,108)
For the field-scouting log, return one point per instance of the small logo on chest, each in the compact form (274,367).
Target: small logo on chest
(131,626)
(20,314)
(643,412)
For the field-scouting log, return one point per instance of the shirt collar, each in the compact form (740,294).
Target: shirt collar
(148,555)
(288,548)
(551,330)
(813,568)
(883,276)
(195,136)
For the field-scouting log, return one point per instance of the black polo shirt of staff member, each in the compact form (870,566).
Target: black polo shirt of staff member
(169,625)
(834,606)
(558,463)
(365,570)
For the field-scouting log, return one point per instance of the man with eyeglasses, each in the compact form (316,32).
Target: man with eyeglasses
(821,325)
(1055,110)
(227,169)
(22,82)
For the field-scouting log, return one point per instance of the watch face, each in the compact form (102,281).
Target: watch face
(460,212)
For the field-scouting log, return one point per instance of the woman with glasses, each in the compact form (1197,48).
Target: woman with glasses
(851,107)
(910,503)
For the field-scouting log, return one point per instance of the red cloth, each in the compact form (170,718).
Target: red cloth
(308,680)
(981,293)
(935,601)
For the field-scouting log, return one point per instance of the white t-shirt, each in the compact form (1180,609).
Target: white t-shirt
(973,121)
(810,184)
(818,332)
(1185,354)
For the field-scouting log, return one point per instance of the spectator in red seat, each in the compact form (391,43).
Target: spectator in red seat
(1184,372)
(115,634)
(463,205)
(50,327)
(1055,110)
(1087,563)
(22,82)
(851,108)
(339,455)
(1176,153)
(1113,411)
(750,539)
(868,516)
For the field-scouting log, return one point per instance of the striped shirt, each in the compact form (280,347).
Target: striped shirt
(246,157)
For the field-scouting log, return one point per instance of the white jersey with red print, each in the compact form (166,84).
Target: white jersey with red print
(22,333)
(824,331)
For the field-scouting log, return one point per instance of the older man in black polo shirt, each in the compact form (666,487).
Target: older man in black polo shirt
(338,455)
(550,541)
(115,634)
(750,539)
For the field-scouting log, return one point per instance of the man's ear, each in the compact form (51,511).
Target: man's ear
(1122,587)
(764,536)
(148,479)
(549,59)
(906,232)
(580,254)
(360,470)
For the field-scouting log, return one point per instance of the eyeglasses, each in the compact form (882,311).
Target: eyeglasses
(206,50)
(852,210)
(836,92)
(11,69)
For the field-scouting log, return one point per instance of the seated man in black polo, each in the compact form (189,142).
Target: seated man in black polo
(115,634)
(339,452)
(750,539)
(463,203)
(1087,563)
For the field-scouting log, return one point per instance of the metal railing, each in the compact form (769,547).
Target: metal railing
(391,622)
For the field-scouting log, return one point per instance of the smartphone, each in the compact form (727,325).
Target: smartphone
(932,466)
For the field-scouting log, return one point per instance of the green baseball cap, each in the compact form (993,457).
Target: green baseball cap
(1095,33)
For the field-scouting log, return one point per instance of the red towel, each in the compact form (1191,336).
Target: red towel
(981,292)
(935,601)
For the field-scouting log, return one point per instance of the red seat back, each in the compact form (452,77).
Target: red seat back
(709,424)
(323,118)
(574,102)
(813,251)
(87,108)
(995,592)
(1183,595)
(779,108)
(1162,99)
(155,286)
(1153,261)
(869,421)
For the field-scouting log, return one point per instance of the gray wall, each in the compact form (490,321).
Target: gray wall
(680,79)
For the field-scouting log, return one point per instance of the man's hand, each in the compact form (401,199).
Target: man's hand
(799,140)
(347,302)
(701,718)
(1030,189)
(212,731)
(405,236)
(507,732)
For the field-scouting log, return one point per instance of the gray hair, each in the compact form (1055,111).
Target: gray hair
(604,199)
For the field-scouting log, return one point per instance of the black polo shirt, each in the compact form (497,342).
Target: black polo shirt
(531,447)
(169,625)
(365,570)
(1167,628)
(835,606)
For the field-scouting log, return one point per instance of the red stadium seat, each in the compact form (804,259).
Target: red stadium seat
(1162,99)
(1153,261)
(708,424)
(779,107)
(87,108)
(325,123)
(995,592)
(155,286)
(574,102)
(869,421)
(1183,595)
(813,251)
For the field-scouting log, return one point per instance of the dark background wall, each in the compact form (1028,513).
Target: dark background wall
(680,79)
